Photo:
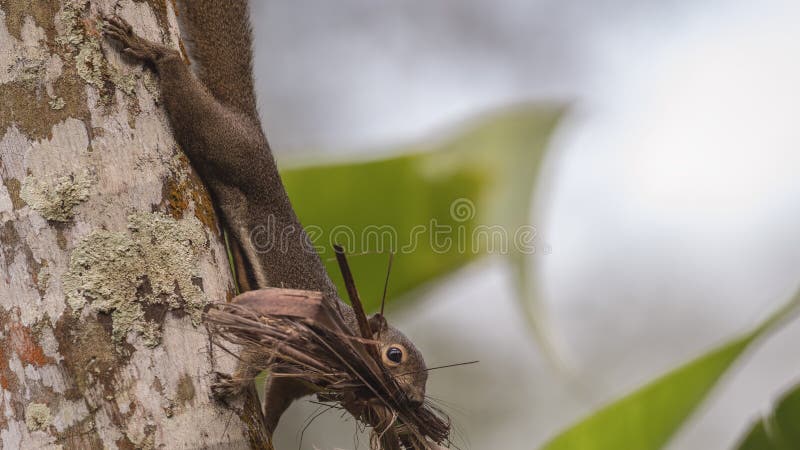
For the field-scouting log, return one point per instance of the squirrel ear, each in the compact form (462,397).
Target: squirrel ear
(377,323)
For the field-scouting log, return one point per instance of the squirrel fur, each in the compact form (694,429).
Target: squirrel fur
(213,115)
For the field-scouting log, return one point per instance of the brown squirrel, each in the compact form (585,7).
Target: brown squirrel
(214,119)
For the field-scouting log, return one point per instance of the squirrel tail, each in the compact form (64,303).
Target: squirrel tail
(219,42)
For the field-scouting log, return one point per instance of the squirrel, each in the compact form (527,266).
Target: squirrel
(213,115)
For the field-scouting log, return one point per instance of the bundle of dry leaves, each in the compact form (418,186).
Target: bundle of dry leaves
(305,337)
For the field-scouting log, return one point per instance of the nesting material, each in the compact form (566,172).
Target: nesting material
(304,336)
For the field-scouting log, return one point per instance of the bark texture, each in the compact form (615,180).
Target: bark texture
(109,247)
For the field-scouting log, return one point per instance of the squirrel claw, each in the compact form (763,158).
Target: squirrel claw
(224,386)
(119,23)
(119,30)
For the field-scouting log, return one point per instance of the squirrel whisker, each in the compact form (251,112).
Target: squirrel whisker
(428,369)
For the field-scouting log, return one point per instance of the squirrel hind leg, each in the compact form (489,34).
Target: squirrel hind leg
(116,28)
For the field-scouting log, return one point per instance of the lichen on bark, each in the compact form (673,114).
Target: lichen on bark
(84,42)
(37,416)
(81,37)
(133,275)
(56,201)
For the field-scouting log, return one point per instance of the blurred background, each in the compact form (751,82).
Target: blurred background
(667,199)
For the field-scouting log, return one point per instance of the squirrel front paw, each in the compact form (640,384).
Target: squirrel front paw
(225,387)
(118,29)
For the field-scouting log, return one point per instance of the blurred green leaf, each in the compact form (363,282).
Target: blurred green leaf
(757,439)
(482,177)
(780,429)
(650,416)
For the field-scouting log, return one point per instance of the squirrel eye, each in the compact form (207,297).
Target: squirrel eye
(394,355)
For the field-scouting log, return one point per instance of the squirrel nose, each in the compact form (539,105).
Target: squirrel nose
(415,399)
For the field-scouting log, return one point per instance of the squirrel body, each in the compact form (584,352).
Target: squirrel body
(213,116)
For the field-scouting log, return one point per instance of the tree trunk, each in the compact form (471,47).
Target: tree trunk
(109,247)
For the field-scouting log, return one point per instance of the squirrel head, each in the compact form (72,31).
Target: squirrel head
(402,360)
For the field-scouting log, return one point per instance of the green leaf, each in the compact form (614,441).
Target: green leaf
(779,430)
(757,439)
(650,416)
(486,173)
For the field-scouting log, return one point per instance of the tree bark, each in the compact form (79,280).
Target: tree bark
(109,246)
